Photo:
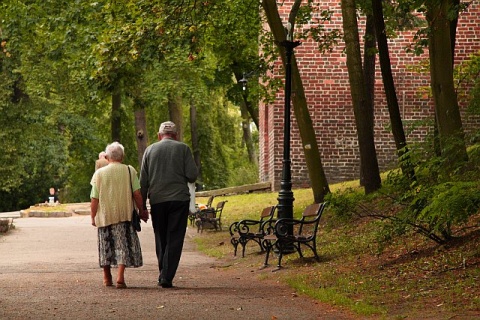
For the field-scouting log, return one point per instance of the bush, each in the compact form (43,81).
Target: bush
(436,204)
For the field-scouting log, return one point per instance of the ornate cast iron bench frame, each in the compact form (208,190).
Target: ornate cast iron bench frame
(244,231)
(289,235)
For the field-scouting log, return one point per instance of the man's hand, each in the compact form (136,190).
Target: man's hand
(144,215)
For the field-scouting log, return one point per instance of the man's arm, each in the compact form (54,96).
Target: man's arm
(137,196)
(144,181)
(191,170)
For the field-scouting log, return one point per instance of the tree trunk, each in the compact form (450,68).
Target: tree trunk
(141,134)
(246,111)
(18,94)
(196,145)
(361,108)
(116,116)
(247,135)
(253,112)
(447,112)
(369,73)
(453,30)
(316,173)
(176,114)
(389,87)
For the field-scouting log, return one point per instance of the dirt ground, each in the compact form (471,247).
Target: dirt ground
(49,270)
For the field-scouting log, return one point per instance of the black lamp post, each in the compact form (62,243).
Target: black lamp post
(285,195)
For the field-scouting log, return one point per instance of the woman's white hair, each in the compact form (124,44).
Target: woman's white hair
(115,151)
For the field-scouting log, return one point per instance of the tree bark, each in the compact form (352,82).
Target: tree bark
(447,112)
(141,134)
(453,30)
(246,110)
(316,173)
(369,73)
(390,92)
(196,144)
(361,108)
(247,135)
(176,114)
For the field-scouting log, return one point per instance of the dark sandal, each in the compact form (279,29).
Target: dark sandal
(108,282)
(121,285)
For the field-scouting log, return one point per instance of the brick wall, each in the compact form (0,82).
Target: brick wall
(325,79)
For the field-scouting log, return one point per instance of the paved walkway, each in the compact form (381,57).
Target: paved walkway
(13,214)
(49,270)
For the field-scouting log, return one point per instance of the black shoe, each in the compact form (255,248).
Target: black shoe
(165,284)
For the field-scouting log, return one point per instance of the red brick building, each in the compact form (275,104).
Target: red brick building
(325,79)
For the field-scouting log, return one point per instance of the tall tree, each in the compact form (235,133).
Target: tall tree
(176,113)
(389,87)
(369,71)
(195,143)
(140,128)
(317,175)
(246,111)
(447,112)
(361,107)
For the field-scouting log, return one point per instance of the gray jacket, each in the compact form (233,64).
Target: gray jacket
(167,166)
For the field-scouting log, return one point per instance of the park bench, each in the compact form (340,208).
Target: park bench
(246,230)
(193,215)
(210,218)
(289,235)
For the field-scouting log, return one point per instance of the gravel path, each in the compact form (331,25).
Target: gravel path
(49,270)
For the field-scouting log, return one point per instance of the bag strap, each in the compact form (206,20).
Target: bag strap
(131,187)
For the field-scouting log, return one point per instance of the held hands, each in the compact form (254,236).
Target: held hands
(144,215)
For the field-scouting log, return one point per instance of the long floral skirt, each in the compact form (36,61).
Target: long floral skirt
(119,244)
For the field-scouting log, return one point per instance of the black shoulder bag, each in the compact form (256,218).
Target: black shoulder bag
(135,216)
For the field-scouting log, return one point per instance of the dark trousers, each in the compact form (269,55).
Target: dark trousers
(169,220)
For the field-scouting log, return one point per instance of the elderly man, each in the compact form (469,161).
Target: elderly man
(167,167)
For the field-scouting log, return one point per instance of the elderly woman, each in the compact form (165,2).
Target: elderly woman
(111,211)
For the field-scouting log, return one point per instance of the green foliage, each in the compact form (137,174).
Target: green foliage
(65,61)
(408,7)
(247,173)
(438,204)
(467,76)
(343,204)
(311,14)
(351,272)
(449,204)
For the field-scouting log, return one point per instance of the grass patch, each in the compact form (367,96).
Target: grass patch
(303,283)
(411,278)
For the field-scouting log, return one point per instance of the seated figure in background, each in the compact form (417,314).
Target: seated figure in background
(53,197)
